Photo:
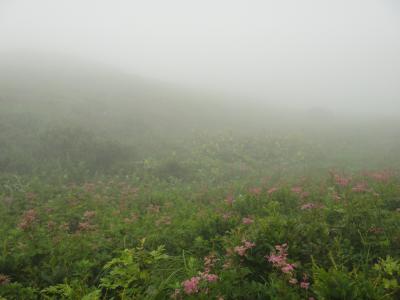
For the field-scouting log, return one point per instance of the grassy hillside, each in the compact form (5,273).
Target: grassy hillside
(118,187)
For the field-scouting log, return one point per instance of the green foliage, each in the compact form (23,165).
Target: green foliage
(130,274)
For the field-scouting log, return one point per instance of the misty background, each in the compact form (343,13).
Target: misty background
(190,87)
(340,55)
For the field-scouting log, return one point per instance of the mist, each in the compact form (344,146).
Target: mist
(228,150)
(341,55)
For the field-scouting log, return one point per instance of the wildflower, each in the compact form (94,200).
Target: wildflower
(360,187)
(287,268)
(4,279)
(89,214)
(307,206)
(51,225)
(30,196)
(133,218)
(382,176)
(241,250)
(209,262)
(229,199)
(304,195)
(310,205)
(297,190)
(255,191)
(226,216)
(191,286)
(275,259)
(279,260)
(163,221)
(85,226)
(152,208)
(247,221)
(28,219)
(376,230)
(210,277)
(227,265)
(176,294)
(89,187)
(249,245)
(336,196)
(272,190)
(304,284)
(341,180)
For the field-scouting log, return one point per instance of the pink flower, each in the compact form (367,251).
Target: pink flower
(226,216)
(304,285)
(240,250)
(229,199)
(288,268)
(307,206)
(255,191)
(28,219)
(360,187)
(272,190)
(297,189)
(89,214)
(210,277)
(304,195)
(275,259)
(341,180)
(310,205)
(191,286)
(293,281)
(382,176)
(247,221)
(249,245)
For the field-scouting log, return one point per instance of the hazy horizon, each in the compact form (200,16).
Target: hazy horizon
(340,55)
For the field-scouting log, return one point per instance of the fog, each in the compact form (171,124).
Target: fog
(340,55)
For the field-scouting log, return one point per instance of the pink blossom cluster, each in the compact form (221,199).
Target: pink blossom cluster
(278,259)
(166,220)
(242,249)
(341,180)
(227,216)
(361,187)
(193,285)
(89,214)
(308,206)
(209,262)
(380,176)
(153,208)
(28,219)
(131,219)
(256,191)
(305,284)
(297,190)
(85,226)
(89,187)
(247,221)
(4,279)
(272,190)
(229,199)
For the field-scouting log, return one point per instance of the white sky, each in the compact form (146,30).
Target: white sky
(325,52)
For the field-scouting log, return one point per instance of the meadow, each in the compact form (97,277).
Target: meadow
(106,202)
